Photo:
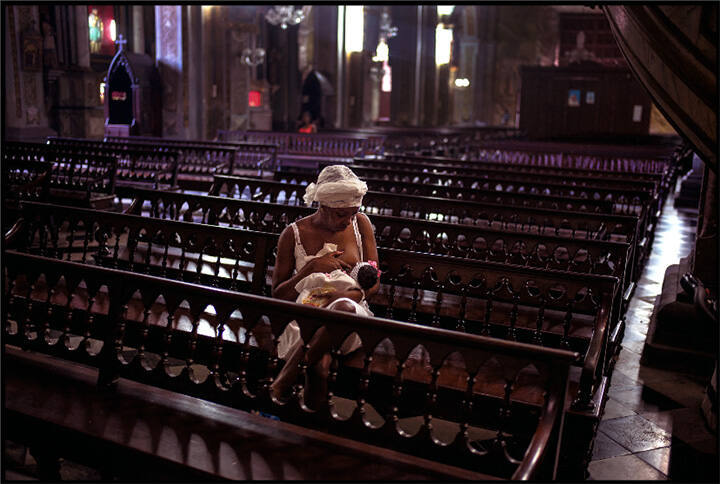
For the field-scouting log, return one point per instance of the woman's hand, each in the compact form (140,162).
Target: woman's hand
(328,262)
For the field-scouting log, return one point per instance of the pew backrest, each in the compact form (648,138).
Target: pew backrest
(99,316)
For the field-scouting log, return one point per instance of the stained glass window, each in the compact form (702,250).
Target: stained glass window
(101,29)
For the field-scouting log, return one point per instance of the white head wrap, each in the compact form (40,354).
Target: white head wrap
(337,187)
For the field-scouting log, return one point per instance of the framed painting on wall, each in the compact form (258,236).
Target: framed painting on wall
(574,97)
(590,97)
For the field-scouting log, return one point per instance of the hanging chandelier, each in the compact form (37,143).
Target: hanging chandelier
(284,15)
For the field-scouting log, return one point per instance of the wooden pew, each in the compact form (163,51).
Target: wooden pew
(575,176)
(218,256)
(559,308)
(449,140)
(309,153)
(115,321)
(155,167)
(635,157)
(466,241)
(169,249)
(551,165)
(614,228)
(319,144)
(71,177)
(416,187)
(593,225)
(200,159)
(626,200)
(635,195)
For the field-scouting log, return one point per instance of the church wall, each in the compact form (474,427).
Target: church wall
(25,113)
(524,35)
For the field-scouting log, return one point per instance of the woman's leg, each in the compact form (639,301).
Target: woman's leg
(318,360)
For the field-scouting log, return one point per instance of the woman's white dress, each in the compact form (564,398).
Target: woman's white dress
(291,336)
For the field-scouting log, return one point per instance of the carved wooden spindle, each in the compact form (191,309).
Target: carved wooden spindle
(165,256)
(504,414)
(218,265)
(48,316)
(144,337)
(167,342)
(43,240)
(364,384)
(192,344)
(86,241)
(512,330)
(461,324)
(537,335)
(485,328)
(26,327)
(565,341)
(70,239)
(148,252)
(462,437)
(89,322)
(10,302)
(438,305)
(235,273)
(412,317)
(54,240)
(116,249)
(430,404)
(389,310)
(102,247)
(198,269)
(120,333)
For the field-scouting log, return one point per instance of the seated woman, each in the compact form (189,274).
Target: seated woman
(336,236)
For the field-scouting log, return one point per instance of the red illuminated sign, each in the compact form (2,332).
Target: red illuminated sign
(254,99)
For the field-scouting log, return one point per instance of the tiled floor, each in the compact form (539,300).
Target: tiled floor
(653,428)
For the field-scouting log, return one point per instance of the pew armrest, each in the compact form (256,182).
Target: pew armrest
(542,440)
(12,234)
(593,357)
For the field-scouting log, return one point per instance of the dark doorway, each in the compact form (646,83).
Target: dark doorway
(314,89)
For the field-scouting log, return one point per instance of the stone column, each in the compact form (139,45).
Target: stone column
(428,79)
(484,73)
(194,68)
(403,62)
(25,114)
(138,34)
(466,38)
(283,76)
(325,48)
(168,55)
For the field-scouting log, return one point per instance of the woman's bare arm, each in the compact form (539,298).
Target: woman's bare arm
(283,282)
